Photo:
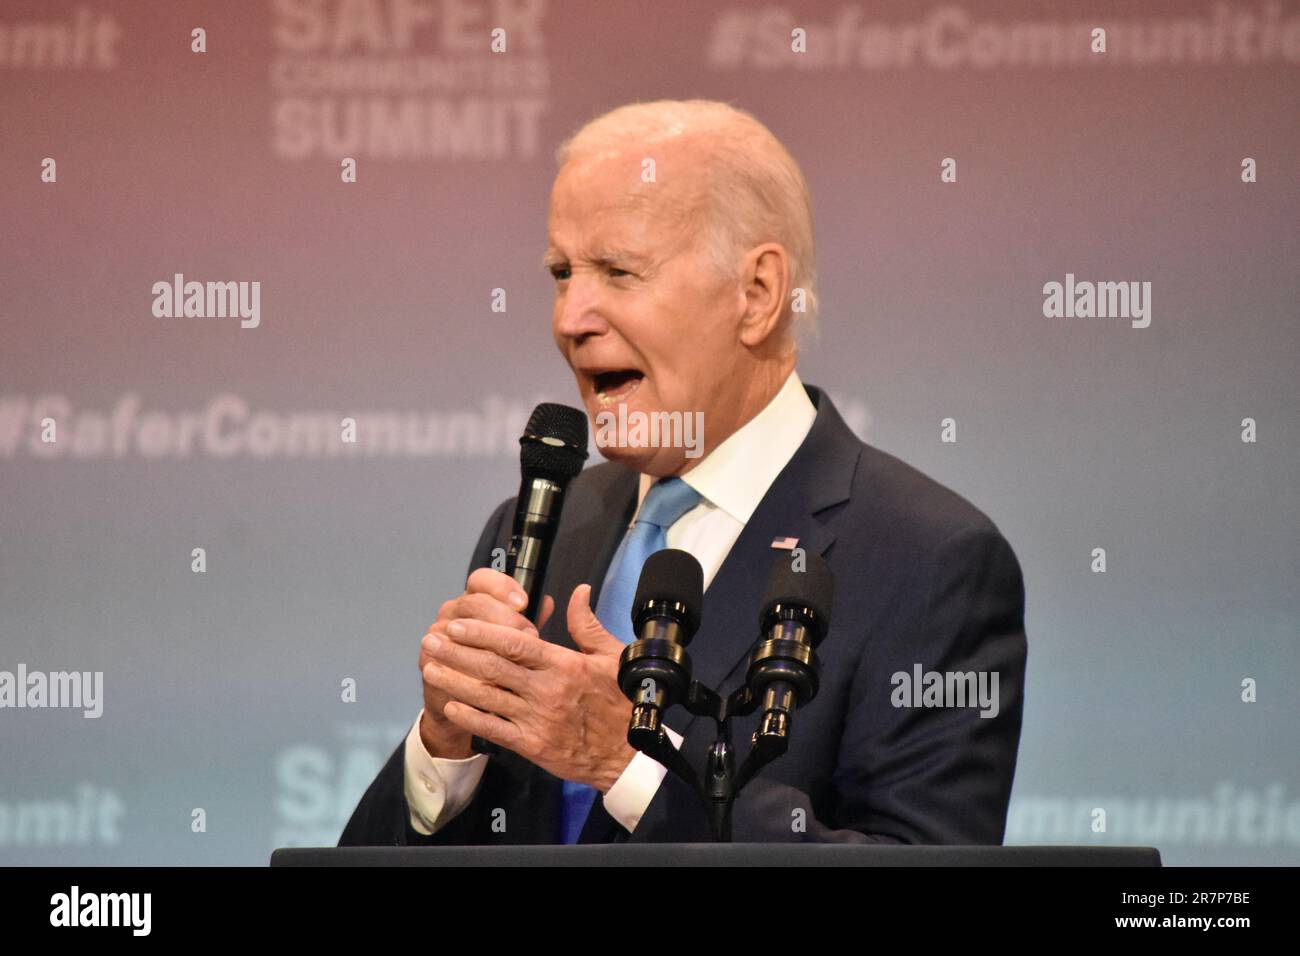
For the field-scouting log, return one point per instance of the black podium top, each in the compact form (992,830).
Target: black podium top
(718,854)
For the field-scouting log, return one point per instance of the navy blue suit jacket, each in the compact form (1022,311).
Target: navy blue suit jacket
(921,577)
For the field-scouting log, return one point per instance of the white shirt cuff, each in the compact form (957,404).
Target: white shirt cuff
(632,792)
(437,788)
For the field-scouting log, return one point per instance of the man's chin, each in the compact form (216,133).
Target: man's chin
(650,461)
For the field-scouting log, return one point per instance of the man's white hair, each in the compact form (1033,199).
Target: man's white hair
(756,192)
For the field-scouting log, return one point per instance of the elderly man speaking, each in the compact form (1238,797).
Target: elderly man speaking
(681,245)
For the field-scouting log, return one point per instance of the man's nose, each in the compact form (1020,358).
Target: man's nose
(579,311)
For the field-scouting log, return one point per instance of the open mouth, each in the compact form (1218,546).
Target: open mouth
(616,385)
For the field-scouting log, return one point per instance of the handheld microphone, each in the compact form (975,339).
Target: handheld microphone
(654,671)
(794,620)
(551,452)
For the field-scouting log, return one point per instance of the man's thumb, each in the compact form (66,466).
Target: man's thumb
(585,628)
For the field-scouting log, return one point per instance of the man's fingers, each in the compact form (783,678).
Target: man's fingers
(499,731)
(548,608)
(471,691)
(526,650)
(484,664)
(481,607)
(585,628)
(499,585)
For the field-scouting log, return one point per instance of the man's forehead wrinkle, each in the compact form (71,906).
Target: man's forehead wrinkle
(605,247)
(600,251)
(620,217)
(673,162)
(622,213)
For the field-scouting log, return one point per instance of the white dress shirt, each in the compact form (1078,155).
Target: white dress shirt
(731,480)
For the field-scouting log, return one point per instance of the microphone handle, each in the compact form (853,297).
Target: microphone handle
(531,581)
(536,516)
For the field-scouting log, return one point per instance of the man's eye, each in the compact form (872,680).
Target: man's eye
(561,273)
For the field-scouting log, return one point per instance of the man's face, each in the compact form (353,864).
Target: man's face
(640,314)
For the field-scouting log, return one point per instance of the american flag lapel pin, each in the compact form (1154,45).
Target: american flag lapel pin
(785,544)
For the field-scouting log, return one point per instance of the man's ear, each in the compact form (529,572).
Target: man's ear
(766,282)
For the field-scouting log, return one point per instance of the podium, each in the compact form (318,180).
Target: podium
(719,854)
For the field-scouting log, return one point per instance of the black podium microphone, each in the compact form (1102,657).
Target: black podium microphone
(551,452)
(654,671)
(794,620)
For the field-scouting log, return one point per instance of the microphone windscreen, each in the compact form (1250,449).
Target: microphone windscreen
(674,576)
(812,587)
(554,444)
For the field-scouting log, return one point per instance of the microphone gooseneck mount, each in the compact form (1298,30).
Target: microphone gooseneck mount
(781,676)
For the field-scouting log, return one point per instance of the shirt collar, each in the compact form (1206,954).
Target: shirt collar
(736,475)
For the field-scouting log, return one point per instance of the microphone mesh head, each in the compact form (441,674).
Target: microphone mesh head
(554,444)
(813,587)
(675,576)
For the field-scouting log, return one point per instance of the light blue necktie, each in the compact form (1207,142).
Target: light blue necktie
(666,501)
